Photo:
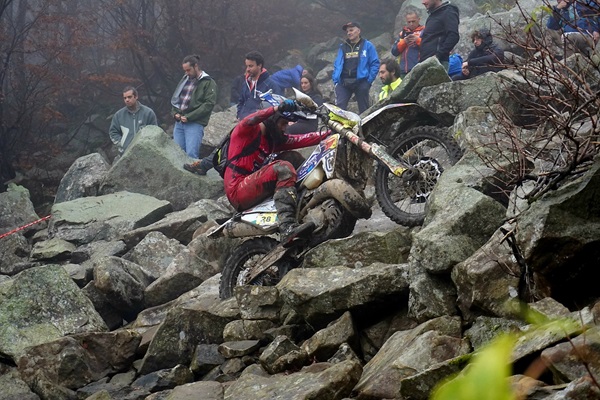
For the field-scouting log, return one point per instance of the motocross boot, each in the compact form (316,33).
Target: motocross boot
(289,229)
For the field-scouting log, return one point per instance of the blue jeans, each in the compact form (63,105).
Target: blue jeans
(360,90)
(189,137)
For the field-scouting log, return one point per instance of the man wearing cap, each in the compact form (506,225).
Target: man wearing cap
(441,31)
(355,68)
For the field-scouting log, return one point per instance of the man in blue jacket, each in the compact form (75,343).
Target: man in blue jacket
(354,69)
(575,25)
(286,79)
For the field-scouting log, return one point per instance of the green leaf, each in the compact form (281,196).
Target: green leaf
(486,377)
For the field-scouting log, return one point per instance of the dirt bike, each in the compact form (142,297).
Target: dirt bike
(330,185)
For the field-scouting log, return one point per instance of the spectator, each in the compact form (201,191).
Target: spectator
(487,56)
(256,80)
(192,103)
(389,72)
(574,26)
(128,121)
(309,86)
(441,31)
(406,48)
(286,79)
(355,68)
(251,179)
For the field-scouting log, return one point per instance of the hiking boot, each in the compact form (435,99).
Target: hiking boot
(195,167)
(294,231)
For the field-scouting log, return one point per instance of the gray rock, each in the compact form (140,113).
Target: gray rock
(319,381)
(164,379)
(180,225)
(317,295)
(558,238)
(16,210)
(13,387)
(59,309)
(184,273)
(183,329)
(326,342)
(431,296)
(197,391)
(363,248)
(75,361)
(14,250)
(105,217)
(53,249)
(467,220)
(247,330)
(80,274)
(153,154)
(374,336)
(407,353)
(421,385)
(206,357)
(154,254)
(238,348)
(485,329)
(123,284)
(83,178)
(98,249)
(488,281)
(282,355)
(258,302)
(111,316)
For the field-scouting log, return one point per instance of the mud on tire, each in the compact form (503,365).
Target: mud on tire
(239,262)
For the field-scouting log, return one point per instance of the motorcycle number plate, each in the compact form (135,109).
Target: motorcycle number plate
(266,218)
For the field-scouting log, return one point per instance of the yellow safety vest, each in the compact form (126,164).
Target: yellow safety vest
(387,89)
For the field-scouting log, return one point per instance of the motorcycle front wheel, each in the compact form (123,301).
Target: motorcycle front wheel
(428,149)
(239,264)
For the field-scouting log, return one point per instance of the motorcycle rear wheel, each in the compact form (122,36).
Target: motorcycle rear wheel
(239,263)
(427,148)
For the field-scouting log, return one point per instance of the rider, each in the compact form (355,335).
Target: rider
(249,181)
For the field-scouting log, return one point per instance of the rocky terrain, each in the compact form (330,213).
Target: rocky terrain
(116,295)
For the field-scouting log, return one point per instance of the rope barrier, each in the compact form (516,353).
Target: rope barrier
(47,217)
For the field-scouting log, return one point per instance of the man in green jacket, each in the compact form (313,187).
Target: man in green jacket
(127,122)
(193,102)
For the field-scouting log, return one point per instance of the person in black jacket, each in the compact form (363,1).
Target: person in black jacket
(441,31)
(486,57)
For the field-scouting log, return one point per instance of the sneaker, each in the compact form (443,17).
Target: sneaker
(195,168)
(293,232)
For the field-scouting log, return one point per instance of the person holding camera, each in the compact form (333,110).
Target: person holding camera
(354,69)
(406,48)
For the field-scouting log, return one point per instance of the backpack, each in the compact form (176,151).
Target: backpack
(220,161)
(455,64)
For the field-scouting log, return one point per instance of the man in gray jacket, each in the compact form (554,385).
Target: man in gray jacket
(130,119)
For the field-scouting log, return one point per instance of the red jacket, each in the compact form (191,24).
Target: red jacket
(245,134)
(408,56)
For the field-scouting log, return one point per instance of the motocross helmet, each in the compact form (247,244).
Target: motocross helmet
(272,129)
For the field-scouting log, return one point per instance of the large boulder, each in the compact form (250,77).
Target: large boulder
(559,237)
(153,165)
(83,178)
(105,217)
(40,305)
(16,209)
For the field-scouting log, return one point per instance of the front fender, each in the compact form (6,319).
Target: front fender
(402,116)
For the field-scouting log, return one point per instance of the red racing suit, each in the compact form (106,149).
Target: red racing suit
(247,180)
